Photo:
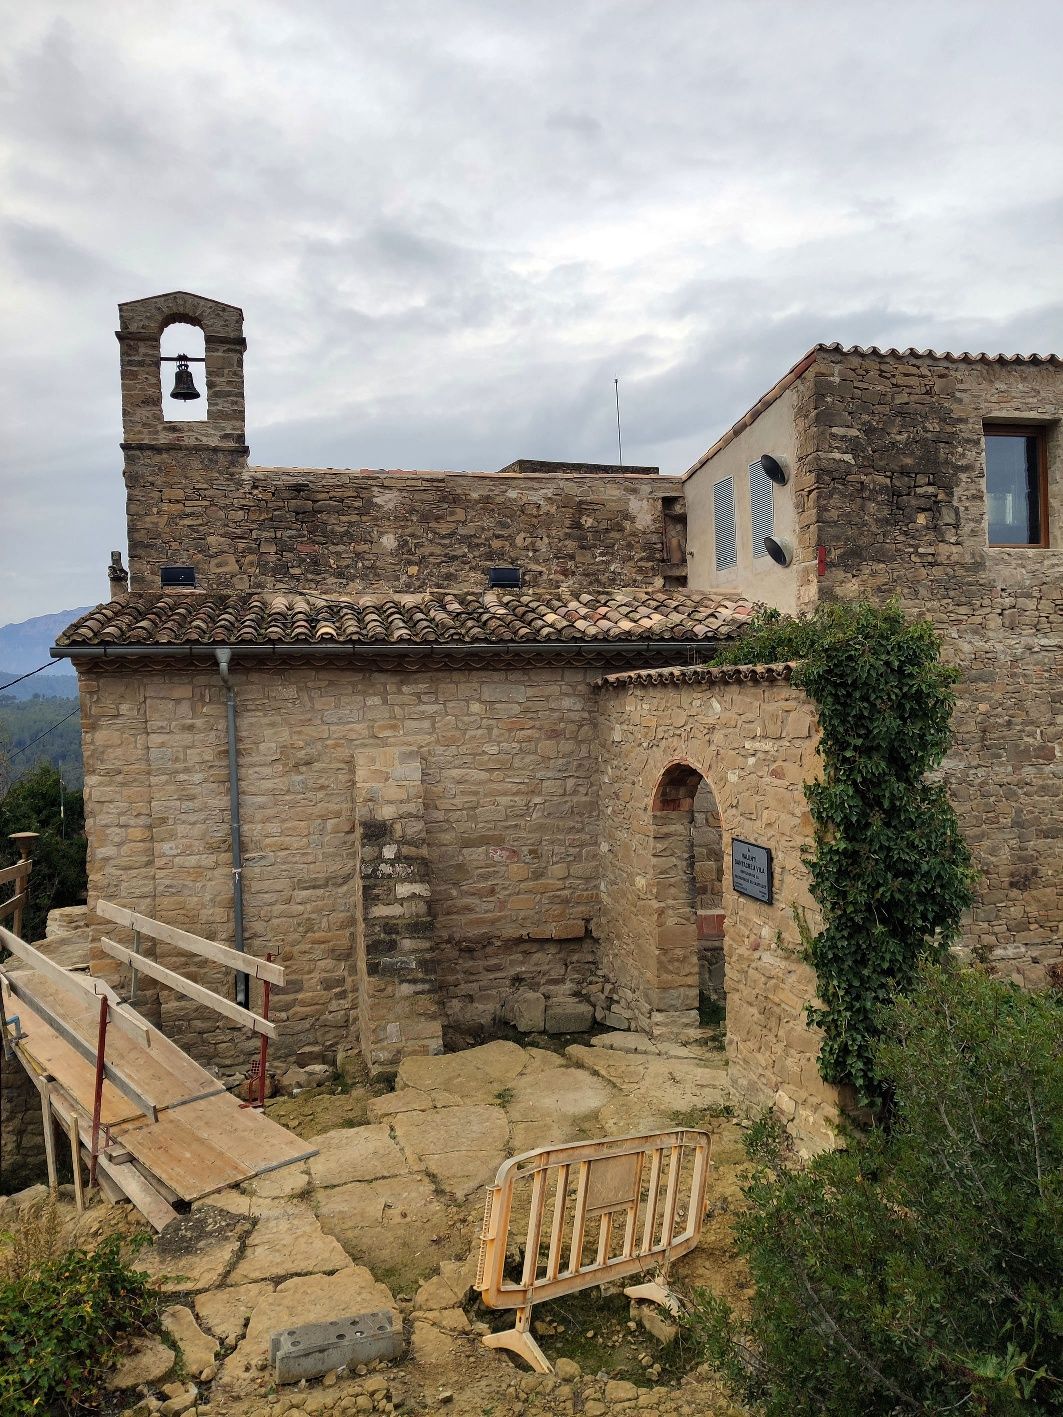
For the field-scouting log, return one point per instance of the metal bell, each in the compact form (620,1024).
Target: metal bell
(183,386)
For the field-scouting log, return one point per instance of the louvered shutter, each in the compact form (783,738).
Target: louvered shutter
(761,507)
(723,519)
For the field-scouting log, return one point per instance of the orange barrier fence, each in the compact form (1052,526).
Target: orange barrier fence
(589,1213)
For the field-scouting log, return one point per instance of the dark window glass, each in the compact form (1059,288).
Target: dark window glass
(1013,488)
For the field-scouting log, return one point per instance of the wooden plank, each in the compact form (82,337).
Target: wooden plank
(73,1131)
(41,1050)
(185,986)
(251,1139)
(49,1135)
(65,978)
(194,944)
(13,873)
(164,1073)
(183,1160)
(69,1035)
(68,1120)
(7,907)
(129,1183)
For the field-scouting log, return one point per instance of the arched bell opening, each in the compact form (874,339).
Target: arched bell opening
(182,373)
(688,884)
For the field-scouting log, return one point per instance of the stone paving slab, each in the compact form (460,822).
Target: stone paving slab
(288,1243)
(225,1312)
(451,1129)
(286,1183)
(450,1288)
(194,1251)
(462,1147)
(355,1154)
(310,1299)
(475,1075)
(410,1099)
(677,1084)
(548,1131)
(146,1360)
(391,1200)
(560,1093)
(198,1349)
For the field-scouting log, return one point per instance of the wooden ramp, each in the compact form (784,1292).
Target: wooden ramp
(167,1131)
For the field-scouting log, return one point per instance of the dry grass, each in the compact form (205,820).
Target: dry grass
(33,1241)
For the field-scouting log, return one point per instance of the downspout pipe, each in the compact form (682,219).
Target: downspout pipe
(223,654)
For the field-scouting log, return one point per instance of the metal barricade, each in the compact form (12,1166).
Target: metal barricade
(619,1207)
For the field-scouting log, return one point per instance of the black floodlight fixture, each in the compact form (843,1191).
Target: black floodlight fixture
(504,577)
(774,469)
(178,576)
(781,552)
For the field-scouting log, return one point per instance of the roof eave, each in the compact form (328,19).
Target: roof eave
(304,649)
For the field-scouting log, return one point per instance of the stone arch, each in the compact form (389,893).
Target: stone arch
(687,854)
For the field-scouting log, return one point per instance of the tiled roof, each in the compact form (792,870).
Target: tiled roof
(430,618)
(870,351)
(874,350)
(702,674)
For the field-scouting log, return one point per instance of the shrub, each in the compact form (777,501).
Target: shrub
(61,1314)
(59,872)
(889,869)
(918,1269)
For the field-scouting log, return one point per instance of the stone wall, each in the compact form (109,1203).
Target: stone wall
(398,1006)
(895,450)
(21,1127)
(191,499)
(754,744)
(509,769)
(343,530)
(478,977)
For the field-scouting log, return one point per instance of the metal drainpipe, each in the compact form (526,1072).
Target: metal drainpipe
(223,654)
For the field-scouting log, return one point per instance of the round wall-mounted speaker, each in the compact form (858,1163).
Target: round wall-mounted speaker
(774,469)
(781,552)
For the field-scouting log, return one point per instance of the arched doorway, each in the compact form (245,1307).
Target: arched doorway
(688,883)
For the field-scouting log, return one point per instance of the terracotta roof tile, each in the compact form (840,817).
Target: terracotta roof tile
(701,674)
(448,617)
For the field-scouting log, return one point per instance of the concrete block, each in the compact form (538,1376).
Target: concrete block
(569,1016)
(311,1350)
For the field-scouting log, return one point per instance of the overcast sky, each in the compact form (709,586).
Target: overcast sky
(451,223)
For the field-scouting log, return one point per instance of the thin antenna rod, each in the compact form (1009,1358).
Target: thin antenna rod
(619,444)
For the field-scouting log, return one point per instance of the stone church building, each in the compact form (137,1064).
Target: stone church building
(482,770)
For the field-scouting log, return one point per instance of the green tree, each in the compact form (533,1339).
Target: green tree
(37,803)
(918,1269)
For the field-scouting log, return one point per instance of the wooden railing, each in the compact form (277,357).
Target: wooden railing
(240,963)
(619,1207)
(18,876)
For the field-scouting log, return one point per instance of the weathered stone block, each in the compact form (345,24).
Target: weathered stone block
(525,1011)
(569,1016)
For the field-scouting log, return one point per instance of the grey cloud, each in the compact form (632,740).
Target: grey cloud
(451,223)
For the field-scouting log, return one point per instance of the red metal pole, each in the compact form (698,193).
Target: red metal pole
(97,1097)
(263,1042)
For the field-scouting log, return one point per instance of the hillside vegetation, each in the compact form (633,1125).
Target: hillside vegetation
(40,730)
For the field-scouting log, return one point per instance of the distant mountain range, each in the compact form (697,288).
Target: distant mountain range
(24,646)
